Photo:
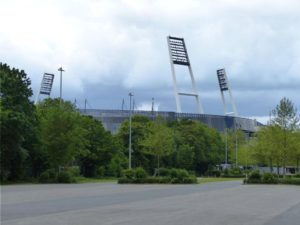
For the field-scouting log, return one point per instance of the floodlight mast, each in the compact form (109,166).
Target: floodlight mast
(178,55)
(60,89)
(224,86)
(46,86)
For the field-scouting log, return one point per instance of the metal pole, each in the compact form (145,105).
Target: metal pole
(236,144)
(226,147)
(178,106)
(60,93)
(129,149)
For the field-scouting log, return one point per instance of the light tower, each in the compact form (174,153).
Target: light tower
(130,132)
(60,89)
(224,86)
(179,56)
(46,86)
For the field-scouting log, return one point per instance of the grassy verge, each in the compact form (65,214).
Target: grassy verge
(203,180)
(82,180)
(79,180)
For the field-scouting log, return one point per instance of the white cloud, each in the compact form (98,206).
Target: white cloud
(123,43)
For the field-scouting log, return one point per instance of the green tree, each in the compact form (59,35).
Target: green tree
(236,139)
(285,116)
(158,142)
(140,129)
(17,122)
(206,143)
(185,157)
(62,137)
(99,147)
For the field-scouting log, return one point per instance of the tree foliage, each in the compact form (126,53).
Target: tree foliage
(158,142)
(62,136)
(278,144)
(17,122)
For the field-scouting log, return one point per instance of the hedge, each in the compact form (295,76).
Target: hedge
(168,176)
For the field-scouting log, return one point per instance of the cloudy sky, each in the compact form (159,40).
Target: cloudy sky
(109,48)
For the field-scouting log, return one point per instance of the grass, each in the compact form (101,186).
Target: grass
(82,180)
(79,180)
(203,180)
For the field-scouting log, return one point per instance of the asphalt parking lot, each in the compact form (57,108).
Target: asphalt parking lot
(222,203)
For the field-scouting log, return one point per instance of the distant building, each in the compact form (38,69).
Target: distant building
(112,119)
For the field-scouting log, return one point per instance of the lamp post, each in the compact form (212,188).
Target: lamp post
(236,144)
(60,90)
(226,147)
(129,148)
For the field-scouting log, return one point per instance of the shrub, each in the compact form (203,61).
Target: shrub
(179,173)
(128,173)
(158,180)
(254,175)
(164,172)
(140,173)
(65,177)
(100,171)
(139,176)
(252,181)
(48,176)
(74,171)
(295,181)
(297,175)
(44,177)
(269,178)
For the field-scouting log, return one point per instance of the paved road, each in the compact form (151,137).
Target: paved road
(207,204)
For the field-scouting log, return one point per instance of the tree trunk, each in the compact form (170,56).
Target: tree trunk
(271,165)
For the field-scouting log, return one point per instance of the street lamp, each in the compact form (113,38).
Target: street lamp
(129,148)
(60,93)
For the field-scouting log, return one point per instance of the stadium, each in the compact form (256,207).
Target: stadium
(112,119)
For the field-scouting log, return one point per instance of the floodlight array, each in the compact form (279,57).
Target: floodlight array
(47,82)
(178,51)
(222,80)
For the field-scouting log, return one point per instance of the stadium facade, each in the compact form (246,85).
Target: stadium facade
(112,119)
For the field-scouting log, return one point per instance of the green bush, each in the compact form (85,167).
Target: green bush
(48,176)
(179,173)
(297,175)
(100,171)
(140,173)
(128,173)
(269,178)
(254,175)
(139,176)
(234,172)
(252,181)
(74,171)
(295,181)
(158,180)
(164,172)
(65,177)
(44,177)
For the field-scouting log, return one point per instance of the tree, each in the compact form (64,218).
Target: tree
(159,142)
(99,148)
(206,143)
(235,140)
(17,122)
(285,116)
(185,157)
(140,129)
(62,137)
